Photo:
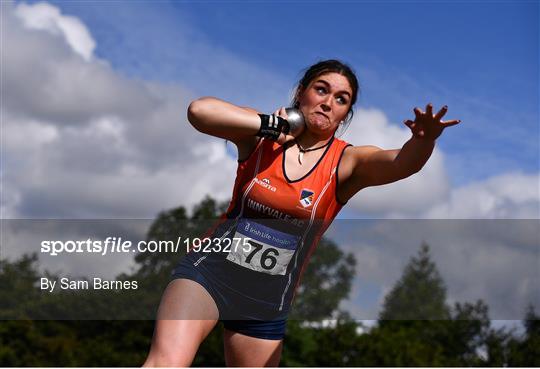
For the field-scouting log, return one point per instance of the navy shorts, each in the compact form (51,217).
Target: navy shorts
(266,329)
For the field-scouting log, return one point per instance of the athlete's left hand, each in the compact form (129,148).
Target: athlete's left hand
(428,126)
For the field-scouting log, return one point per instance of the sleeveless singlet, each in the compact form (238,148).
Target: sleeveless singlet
(274,224)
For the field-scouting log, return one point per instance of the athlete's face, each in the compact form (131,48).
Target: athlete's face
(325,102)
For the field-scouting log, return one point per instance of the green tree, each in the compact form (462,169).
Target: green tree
(496,346)
(326,282)
(126,342)
(419,294)
(418,328)
(171,224)
(525,350)
(463,339)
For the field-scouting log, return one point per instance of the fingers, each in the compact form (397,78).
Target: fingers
(281,112)
(416,131)
(450,123)
(289,138)
(429,125)
(429,110)
(418,112)
(409,123)
(283,138)
(441,113)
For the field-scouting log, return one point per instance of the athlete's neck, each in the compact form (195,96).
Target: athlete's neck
(308,140)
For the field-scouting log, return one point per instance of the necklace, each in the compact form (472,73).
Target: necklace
(301,150)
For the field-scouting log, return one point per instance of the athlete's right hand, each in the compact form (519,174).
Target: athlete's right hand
(283,138)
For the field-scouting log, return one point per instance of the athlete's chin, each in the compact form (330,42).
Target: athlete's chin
(320,122)
(321,127)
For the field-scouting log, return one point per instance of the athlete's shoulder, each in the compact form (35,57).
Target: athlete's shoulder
(341,143)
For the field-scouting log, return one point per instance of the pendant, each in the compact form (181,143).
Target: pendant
(300,156)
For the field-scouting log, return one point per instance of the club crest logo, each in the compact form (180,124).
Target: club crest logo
(306,197)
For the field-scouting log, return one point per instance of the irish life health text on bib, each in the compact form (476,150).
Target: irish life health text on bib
(269,251)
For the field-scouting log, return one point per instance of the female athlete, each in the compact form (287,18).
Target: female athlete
(287,192)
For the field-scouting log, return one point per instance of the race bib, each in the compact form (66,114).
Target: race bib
(262,249)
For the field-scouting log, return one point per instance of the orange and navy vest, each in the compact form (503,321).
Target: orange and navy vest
(273,224)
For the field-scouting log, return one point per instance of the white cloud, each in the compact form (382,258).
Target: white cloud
(409,196)
(43,16)
(87,119)
(510,195)
(45,80)
(428,194)
(495,260)
(82,141)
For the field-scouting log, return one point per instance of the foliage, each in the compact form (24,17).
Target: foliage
(525,351)
(416,327)
(419,294)
(325,283)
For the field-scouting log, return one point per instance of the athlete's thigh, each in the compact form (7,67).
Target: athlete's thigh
(186,315)
(242,350)
(185,299)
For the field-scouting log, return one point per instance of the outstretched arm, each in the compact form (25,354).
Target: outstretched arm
(365,166)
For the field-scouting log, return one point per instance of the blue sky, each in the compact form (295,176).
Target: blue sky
(479,57)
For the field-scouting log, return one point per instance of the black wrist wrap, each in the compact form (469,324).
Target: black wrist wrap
(272,126)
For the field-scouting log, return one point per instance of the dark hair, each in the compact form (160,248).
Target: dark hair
(328,66)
